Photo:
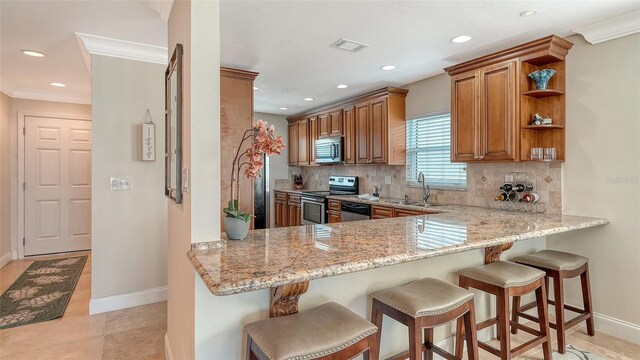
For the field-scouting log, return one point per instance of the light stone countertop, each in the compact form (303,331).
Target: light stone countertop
(280,256)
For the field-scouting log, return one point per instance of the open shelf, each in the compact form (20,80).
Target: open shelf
(542,93)
(542,127)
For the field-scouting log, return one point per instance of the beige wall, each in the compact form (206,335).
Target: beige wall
(278,164)
(194,24)
(32,107)
(129,243)
(5,180)
(602,173)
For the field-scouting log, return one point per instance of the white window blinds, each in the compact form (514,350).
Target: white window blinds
(429,152)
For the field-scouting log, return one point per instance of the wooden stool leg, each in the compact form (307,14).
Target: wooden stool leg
(376,319)
(514,313)
(586,299)
(472,340)
(374,348)
(428,341)
(415,340)
(558,297)
(460,334)
(543,318)
(502,301)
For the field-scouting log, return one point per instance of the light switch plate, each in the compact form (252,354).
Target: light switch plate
(387,180)
(185,180)
(120,183)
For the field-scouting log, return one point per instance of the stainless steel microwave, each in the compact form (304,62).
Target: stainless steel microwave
(329,150)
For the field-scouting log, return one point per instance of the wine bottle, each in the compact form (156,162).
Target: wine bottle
(500,197)
(522,187)
(530,197)
(503,196)
(506,187)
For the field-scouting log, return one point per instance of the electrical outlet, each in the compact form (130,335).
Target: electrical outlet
(316,176)
(387,180)
(120,183)
(508,178)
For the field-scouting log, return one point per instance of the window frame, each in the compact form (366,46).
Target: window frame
(413,183)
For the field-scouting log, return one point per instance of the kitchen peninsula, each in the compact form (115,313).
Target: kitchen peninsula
(284,260)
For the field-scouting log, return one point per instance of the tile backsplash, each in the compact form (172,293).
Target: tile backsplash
(483,181)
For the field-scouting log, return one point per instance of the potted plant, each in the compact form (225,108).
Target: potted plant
(263,141)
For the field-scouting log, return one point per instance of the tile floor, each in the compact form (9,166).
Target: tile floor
(138,333)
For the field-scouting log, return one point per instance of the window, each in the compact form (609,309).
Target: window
(429,152)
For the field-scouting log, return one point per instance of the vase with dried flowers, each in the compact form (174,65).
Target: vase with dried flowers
(263,142)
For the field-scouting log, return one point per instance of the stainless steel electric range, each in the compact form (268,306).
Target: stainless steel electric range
(314,203)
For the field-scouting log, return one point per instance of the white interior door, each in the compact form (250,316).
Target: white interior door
(57,173)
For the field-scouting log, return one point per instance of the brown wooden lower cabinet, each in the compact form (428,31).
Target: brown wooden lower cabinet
(334,216)
(383,212)
(288,209)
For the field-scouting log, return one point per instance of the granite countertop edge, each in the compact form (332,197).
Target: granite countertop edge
(266,282)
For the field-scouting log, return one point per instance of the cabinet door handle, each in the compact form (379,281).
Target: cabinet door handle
(481,157)
(475,157)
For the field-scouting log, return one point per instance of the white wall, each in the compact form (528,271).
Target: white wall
(194,24)
(129,243)
(278,164)
(602,176)
(5,180)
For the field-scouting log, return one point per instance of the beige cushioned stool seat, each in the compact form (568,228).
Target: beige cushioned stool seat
(320,331)
(424,297)
(503,274)
(553,260)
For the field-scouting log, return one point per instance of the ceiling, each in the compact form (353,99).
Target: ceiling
(287,42)
(49,27)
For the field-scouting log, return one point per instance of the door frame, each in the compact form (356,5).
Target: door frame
(21,157)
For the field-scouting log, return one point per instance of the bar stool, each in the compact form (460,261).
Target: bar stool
(329,331)
(559,266)
(504,279)
(425,304)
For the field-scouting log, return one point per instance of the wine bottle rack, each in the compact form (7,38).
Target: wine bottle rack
(519,195)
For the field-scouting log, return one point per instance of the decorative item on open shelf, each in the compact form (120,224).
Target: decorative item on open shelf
(518,195)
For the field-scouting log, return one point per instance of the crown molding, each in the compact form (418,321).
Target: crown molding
(162,7)
(99,45)
(610,29)
(35,94)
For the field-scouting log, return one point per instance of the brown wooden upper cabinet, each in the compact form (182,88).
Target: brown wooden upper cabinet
(483,118)
(349,129)
(492,103)
(335,122)
(373,127)
(313,136)
(293,144)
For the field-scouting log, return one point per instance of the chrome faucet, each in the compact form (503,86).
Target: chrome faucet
(426,191)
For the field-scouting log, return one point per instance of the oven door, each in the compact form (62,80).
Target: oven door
(313,212)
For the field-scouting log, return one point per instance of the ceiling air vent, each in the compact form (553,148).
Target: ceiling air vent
(348,45)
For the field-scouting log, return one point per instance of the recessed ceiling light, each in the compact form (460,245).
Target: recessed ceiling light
(388,67)
(308,99)
(529,12)
(255,88)
(32,53)
(342,86)
(58,84)
(284,108)
(460,39)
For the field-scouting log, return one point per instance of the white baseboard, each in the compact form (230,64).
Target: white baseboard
(168,355)
(617,328)
(5,258)
(14,255)
(117,302)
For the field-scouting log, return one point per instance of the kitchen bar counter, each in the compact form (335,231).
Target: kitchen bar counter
(274,257)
